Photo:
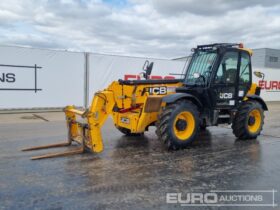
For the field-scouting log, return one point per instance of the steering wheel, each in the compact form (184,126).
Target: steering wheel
(207,73)
(203,78)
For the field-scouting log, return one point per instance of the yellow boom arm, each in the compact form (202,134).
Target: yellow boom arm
(90,132)
(133,107)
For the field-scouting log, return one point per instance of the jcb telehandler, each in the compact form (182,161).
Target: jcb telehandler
(217,88)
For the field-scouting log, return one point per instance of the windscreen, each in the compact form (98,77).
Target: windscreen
(202,63)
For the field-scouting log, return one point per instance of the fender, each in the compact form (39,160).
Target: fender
(175,97)
(258,99)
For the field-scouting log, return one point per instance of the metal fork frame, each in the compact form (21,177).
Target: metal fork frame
(80,150)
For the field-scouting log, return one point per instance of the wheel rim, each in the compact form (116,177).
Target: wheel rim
(184,125)
(254,121)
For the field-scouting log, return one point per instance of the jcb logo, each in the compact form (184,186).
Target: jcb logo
(156,90)
(225,95)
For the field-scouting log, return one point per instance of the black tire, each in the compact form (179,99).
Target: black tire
(167,127)
(157,130)
(127,132)
(243,121)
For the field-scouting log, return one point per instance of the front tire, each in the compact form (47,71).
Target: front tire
(178,124)
(248,121)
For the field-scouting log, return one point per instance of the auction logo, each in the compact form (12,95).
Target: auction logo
(17,78)
(224,198)
(269,86)
(7,77)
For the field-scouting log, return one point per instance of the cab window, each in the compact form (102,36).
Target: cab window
(227,70)
(244,75)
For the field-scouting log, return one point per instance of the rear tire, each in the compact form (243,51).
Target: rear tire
(127,132)
(178,124)
(248,121)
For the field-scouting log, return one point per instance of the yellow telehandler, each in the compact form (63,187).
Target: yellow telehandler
(217,88)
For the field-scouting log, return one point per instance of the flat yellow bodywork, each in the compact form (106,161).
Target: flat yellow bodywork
(250,51)
(251,91)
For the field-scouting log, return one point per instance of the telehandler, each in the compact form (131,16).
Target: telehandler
(216,89)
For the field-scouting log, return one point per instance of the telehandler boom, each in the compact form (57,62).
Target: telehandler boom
(217,88)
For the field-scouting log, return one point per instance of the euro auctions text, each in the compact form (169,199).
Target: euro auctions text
(224,198)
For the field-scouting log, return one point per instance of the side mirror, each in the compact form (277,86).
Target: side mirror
(259,74)
(196,75)
(148,67)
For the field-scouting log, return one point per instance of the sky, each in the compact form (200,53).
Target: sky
(150,28)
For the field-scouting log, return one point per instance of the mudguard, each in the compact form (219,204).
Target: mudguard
(177,96)
(259,99)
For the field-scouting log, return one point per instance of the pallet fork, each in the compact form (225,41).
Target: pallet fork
(57,154)
(73,127)
(86,133)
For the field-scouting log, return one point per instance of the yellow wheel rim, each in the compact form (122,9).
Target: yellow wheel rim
(254,121)
(184,125)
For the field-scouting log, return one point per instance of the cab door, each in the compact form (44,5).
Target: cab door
(245,75)
(224,87)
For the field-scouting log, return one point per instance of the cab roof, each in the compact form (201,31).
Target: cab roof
(224,45)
